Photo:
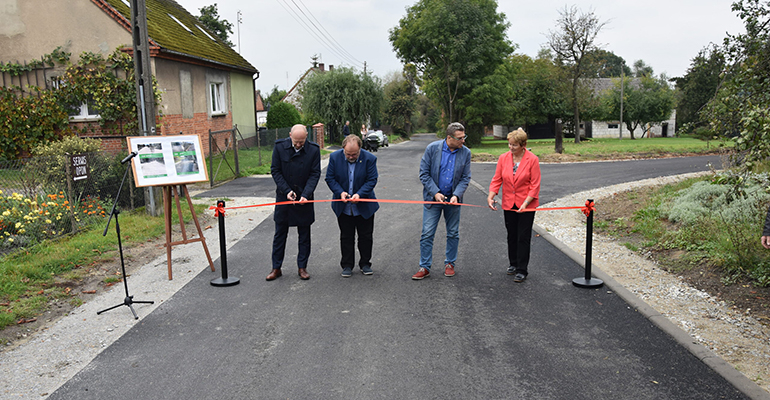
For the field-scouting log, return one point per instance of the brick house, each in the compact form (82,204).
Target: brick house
(205,84)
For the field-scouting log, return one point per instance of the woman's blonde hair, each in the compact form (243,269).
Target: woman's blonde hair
(519,137)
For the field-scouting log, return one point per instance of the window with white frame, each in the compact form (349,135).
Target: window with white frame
(78,112)
(86,110)
(217,98)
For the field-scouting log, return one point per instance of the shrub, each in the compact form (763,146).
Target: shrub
(282,115)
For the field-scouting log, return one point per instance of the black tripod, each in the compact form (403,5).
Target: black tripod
(129,300)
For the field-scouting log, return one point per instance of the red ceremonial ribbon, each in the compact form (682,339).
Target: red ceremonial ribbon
(586,209)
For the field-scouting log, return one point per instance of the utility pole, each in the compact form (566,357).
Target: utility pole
(145,99)
(239,21)
(622,85)
(364,67)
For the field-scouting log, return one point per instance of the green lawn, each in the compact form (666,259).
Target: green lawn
(602,148)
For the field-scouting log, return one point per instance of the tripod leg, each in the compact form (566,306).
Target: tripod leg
(111,308)
(132,311)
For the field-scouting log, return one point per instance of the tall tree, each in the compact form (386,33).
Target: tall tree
(342,95)
(606,64)
(741,106)
(399,103)
(218,26)
(543,92)
(574,39)
(274,97)
(642,69)
(453,44)
(646,100)
(698,85)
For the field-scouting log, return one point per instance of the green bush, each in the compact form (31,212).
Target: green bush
(282,115)
(719,220)
(27,121)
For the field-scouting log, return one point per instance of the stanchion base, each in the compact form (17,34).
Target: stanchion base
(225,281)
(587,283)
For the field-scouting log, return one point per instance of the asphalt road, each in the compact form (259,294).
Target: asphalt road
(476,335)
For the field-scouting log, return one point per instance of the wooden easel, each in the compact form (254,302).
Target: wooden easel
(167,189)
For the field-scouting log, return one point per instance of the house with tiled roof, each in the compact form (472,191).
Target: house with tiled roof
(205,84)
(293,95)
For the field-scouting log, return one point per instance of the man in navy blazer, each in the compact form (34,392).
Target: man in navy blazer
(352,175)
(445,172)
(296,170)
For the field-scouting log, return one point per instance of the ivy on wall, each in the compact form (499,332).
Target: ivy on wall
(105,84)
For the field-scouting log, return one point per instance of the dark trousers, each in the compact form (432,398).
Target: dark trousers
(279,245)
(349,225)
(519,227)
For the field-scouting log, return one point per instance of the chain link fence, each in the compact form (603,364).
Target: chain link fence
(47,197)
(266,140)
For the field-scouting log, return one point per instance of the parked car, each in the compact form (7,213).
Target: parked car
(382,139)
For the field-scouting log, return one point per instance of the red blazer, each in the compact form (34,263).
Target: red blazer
(516,188)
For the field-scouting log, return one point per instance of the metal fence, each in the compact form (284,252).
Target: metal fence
(266,139)
(45,197)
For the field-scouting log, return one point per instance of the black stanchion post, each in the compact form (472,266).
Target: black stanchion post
(224,280)
(587,281)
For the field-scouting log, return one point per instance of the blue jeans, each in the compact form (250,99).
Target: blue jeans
(430,217)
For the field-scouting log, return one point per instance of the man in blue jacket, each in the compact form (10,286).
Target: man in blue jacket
(352,175)
(445,172)
(296,170)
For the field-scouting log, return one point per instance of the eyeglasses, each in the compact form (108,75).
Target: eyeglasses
(460,139)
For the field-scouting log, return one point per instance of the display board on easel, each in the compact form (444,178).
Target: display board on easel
(167,160)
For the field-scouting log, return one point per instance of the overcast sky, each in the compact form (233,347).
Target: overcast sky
(666,34)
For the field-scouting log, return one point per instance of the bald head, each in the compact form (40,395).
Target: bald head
(298,136)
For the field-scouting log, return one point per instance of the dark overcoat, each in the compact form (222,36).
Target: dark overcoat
(299,171)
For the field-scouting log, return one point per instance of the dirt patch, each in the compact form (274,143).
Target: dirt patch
(90,280)
(616,220)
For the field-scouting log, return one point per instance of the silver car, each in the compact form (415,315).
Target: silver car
(381,137)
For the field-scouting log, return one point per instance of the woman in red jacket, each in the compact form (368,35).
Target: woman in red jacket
(518,173)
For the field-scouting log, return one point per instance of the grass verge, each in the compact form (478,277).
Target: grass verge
(30,278)
(598,149)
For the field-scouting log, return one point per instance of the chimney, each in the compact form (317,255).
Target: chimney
(331,67)
(321,66)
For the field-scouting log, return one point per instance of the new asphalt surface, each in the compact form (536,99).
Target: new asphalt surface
(385,336)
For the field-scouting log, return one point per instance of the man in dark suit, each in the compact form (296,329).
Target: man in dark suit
(352,175)
(296,169)
(346,129)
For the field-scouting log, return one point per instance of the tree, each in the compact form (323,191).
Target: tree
(698,85)
(454,45)
(282,115)
(544,94)
(342,95)
(218,26)
(605,64)
(741,107)
(495,100)
(572,42)
(275,96)
(642,69)
(399,104)
(427,115)
(646,100)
